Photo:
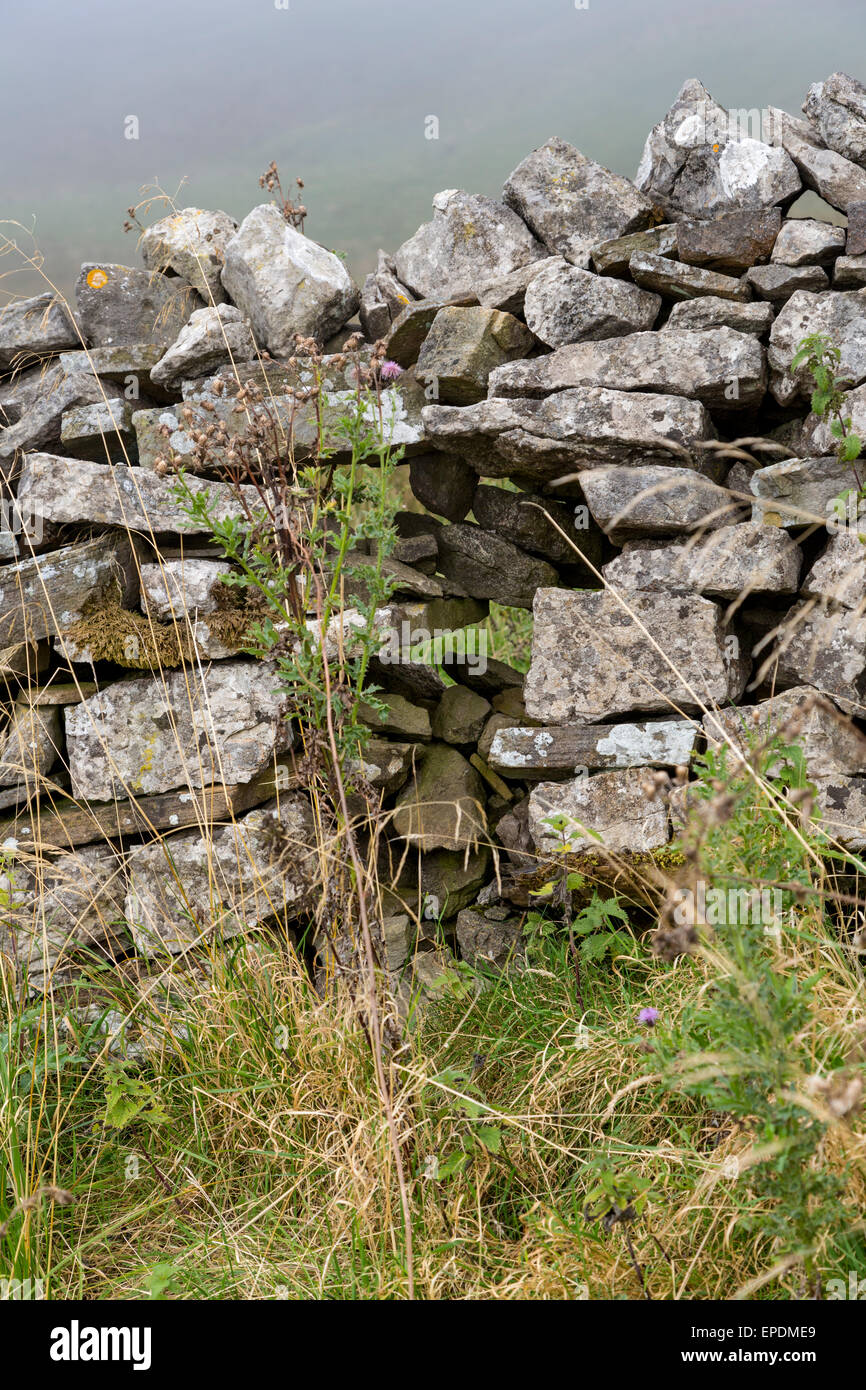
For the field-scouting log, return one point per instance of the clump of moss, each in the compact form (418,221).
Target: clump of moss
(113,633)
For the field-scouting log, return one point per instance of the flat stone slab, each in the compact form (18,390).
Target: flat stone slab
(191,889)
(711,312)
(591,659)
(805,241)
(654,500)
(534,754)
(47,594)
(730,563)
(190,728)
(718,367)
(567,305)
(776,283)
(611,805)
(471,240)
(576,429)
(64,490)
(830,743)
(675,280)
(799,492)
(731,242)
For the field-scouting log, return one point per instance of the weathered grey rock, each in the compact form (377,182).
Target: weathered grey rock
(170,588)
(718,367)
(398,939)
(696,162)
(460,715)
(73,490)
(591,659)
(44,595)
(731,242)
(192,243)
(402,720)
(193,888)
(489,567)
(839,573)
(191,728)
(212,337)
(384,764)
(817,437)
(678,281)
(444,483)
(29,745)
(654,500)
(433,887)
(611,805)
(710,312)
(837,107)
(31,329)
(508,292)
(102,432)
(44,405)
(572,203)
(470,240)
(490,680)
(798,492)
(825,649)
(830,743)
(842,317)
(731,562)
(487,937)
(537,524)
(539,753)
(63,911)
(122,307)
(443,807)
(464,346)
(542,439)
(776,283)
(567,305)
(285,283)
(855,244)
(849,273)
(612,257)
(292,426)
(805,241)
(836,179)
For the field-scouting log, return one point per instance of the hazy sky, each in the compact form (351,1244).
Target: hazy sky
(338,91)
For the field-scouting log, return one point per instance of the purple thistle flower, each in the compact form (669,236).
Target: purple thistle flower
(389,371)
(649,1016)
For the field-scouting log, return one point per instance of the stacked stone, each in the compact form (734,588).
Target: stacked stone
(573,361)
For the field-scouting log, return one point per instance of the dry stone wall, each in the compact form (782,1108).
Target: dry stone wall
(566,368)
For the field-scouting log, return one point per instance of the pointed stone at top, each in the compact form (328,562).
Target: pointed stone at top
(702,159)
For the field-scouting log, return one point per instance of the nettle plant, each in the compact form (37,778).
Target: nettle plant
(822,359)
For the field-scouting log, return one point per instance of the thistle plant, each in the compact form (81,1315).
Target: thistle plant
(822,358)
